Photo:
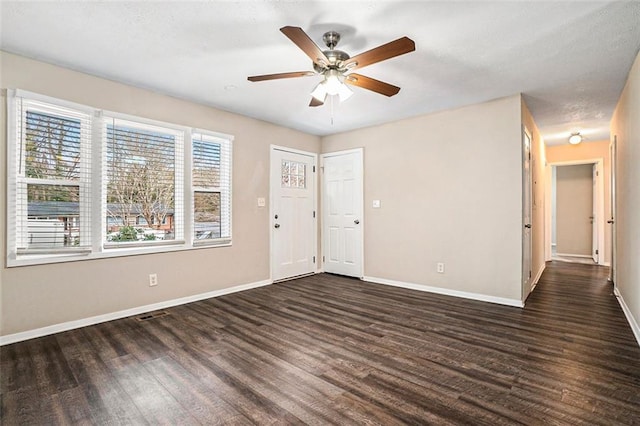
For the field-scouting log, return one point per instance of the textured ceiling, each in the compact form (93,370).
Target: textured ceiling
(570,59)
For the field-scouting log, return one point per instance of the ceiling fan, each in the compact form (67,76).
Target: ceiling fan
(335,65)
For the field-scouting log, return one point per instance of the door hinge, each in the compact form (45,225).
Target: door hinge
(529,274)
(322,259)
(597,251)
(314,213)
(314,259)
(314,169)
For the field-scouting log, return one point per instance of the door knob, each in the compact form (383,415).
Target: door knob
(610,221)
(277,225)
(356,221)
(528,226)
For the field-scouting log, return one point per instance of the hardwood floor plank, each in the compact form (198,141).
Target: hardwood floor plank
(326,349)
(202,403)
(156,404)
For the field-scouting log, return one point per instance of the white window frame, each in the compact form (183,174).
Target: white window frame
(183,137)
(224,188)
(94,190)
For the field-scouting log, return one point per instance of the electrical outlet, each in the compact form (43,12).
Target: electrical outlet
(440,267)
(153,280)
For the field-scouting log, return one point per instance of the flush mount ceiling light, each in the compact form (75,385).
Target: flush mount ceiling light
(336,66)
(575,138)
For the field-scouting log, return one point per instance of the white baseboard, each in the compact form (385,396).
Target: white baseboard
(447,292)
(536,279)
(574,255)
(538,275)
(70,325)
(627,313)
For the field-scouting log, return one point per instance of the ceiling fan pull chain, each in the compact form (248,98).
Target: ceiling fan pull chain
(331,103)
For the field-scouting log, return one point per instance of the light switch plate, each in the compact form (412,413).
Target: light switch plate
(376,204)
(261,202)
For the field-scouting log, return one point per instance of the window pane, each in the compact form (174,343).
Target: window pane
(53,213)
(206,215)
(293,174)
(141,184)
(52,146)
(206,164)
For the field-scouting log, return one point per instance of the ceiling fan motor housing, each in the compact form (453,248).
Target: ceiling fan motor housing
(335,57)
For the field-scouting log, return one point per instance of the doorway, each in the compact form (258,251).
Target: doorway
(577,212)
(293,213)
(342,217)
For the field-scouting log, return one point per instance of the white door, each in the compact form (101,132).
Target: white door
(293,223)
(526,214)
(342,219)
(612,201)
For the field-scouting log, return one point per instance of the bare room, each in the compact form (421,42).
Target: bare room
(320,212)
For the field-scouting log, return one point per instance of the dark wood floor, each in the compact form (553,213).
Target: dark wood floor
(333,350)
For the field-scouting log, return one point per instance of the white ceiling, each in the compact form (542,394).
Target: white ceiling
(570,59)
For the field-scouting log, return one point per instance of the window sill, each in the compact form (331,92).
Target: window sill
(107,253)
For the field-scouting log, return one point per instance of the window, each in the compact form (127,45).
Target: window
(51,177)
(85,183)
(293,174)
(143,180)
(211,184)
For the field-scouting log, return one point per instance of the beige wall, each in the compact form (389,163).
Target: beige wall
(588,151)
(574,205)
(626,127)
(538,156)
(450,191)
(450,185)
(38,296)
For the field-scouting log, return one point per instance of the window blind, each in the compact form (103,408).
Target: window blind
(82,181)
(52,188)
(211,184)
(143,172)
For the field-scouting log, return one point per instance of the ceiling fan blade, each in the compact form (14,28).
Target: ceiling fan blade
(315,103)
(281,75)
(372,84)
(304,42)
(386,51)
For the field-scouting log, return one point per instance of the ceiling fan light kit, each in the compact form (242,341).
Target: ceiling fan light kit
(333,65)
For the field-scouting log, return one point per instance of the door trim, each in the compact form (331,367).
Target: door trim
(599,162)
(314,155)
(364,222)
(527,186)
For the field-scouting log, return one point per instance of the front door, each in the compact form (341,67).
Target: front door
(293,217)
(342,212)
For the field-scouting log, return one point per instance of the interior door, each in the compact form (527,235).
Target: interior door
(342,206)
(612,201)
(293,223)
(526,214)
